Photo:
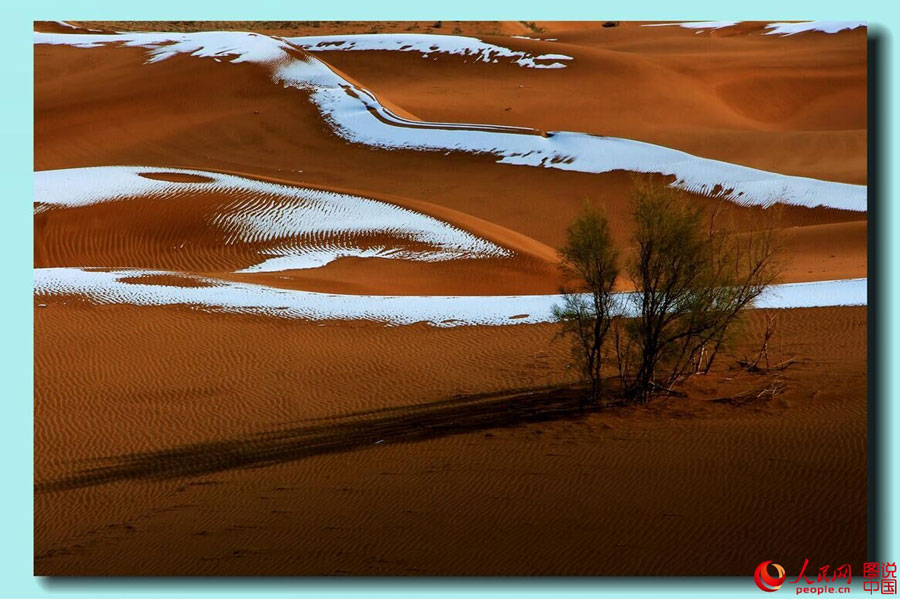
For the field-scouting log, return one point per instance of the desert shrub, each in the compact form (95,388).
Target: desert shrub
(693,280)
(693,275)
(590,267)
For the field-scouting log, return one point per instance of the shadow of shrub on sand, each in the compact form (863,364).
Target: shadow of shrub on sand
(349,432)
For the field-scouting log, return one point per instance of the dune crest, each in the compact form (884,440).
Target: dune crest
(426,45)
(356,115)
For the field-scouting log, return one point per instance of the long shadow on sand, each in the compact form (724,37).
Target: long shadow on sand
(348,432)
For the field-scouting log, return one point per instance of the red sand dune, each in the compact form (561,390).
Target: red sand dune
(232,444)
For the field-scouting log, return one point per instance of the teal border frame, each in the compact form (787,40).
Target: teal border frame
(16,151)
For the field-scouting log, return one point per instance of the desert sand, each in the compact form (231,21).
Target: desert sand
(183,439)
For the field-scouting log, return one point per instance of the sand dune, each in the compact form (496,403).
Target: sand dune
(283,344)
(300,228)
(426,45)
(294,144)
(63,27)
(357,116)
(528,204)
(787,28)
(295,28)
(662,93)
(503,487)
(793,28)
(846,257)
(222,224)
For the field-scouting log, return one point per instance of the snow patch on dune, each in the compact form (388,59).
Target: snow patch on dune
(696,24)
(360,118)
(534,39)
(237,45)
(108,287)
(427,44)
(307,258)
(299,227)
(91,185)
(255,47)
(356,115)
(785,29)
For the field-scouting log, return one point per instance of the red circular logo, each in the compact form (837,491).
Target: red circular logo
(766,581)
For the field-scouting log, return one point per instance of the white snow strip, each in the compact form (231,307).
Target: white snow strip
(696,24)
(241,46)
(844,292)
(70,26)
(107,287)
(316,258)
(303,227)
(785,29)
(427,44)
(357,116)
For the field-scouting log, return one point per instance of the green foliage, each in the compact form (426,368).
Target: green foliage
(590,264)
(693,280)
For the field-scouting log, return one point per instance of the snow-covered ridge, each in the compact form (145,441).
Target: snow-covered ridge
(256,47)
(356,115)
(108,287)
(784,29)
(428,44)
(695,24)
(298,227)
(237,45)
